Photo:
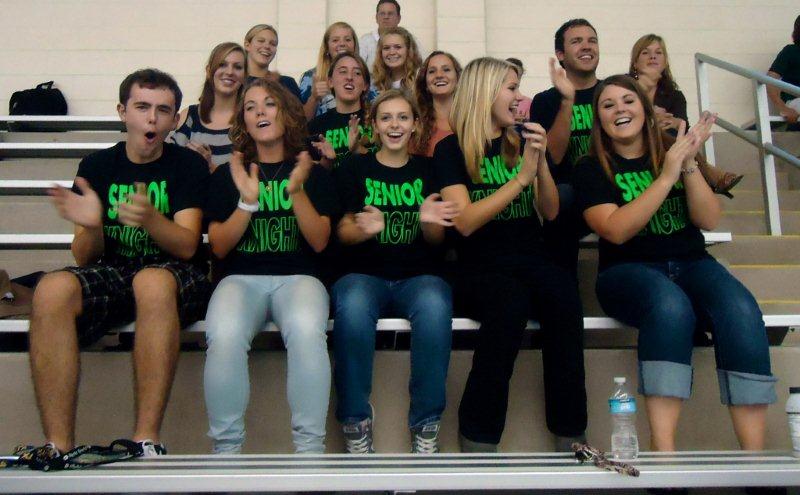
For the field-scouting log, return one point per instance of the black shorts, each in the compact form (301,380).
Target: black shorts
(108,300)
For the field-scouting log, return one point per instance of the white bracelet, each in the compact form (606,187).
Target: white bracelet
(252,208)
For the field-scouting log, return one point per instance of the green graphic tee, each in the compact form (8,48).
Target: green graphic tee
(669,235)
(400,251)
(175,181)
(512,238)
(544,109)
(272,243)
(335,128)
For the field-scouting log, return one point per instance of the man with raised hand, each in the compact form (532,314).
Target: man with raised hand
(137,212)
(565,111)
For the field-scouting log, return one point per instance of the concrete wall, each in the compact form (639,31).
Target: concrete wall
(87,46)
(105,410)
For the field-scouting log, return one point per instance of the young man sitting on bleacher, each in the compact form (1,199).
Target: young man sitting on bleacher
(137,213)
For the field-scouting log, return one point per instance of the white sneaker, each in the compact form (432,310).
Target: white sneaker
(150,449)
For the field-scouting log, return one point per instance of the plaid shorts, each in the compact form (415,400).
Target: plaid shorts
(108,300)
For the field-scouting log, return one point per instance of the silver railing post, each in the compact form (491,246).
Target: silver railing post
(768,178)
(704,103)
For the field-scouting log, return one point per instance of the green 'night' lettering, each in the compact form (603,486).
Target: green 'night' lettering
(273,196)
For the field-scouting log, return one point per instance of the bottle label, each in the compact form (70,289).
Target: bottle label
(622,406)
(794,432)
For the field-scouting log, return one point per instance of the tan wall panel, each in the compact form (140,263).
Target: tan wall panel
(107,39)
(89,46)
(747,33)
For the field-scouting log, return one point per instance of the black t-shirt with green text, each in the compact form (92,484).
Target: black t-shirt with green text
(335,128)
(544,109)
(512,238)
(399,251)
(668,236)
(272,243)
(174,182)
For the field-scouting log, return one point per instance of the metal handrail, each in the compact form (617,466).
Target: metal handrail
(763,140)
(749,73)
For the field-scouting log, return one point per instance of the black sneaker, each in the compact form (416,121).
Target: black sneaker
(425,439)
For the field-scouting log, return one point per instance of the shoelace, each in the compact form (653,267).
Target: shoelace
(426,445)
(585,452)
(359,446)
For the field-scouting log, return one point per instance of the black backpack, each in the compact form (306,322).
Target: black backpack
(44,99)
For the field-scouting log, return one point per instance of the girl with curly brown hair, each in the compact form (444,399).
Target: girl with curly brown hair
(269,211)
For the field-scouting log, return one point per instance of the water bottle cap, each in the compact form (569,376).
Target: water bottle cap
(622,379)
(794,390)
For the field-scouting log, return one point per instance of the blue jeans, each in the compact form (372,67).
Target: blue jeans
(359,301)
(665,301)
(240,307)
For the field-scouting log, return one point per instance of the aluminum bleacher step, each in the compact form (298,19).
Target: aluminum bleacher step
(442,472)
(50,150)
(63,241)
(402,325)
(39,123)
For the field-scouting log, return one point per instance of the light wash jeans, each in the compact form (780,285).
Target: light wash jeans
(240,307)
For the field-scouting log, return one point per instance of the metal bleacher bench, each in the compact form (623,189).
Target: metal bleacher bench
(62,241)
(38,123)
(407,473)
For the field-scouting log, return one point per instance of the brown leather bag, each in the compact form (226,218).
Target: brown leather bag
(15,299)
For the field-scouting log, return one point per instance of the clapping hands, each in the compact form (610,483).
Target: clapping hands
(85,210)
(433,210)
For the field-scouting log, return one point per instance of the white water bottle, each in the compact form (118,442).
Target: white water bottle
(793,410)
(622,405)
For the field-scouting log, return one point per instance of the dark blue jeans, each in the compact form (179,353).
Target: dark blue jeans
(359,300)
(665,301)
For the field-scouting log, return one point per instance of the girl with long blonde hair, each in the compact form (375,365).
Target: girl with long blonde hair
(397,60)
(650,67)
(315,91)
(504,275)
(261,45)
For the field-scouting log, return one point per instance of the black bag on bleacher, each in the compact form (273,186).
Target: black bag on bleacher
(44,99)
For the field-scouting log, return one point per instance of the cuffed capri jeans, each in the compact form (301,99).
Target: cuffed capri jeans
(240,307)
(664,301)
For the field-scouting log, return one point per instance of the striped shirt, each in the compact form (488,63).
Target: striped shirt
(194,130)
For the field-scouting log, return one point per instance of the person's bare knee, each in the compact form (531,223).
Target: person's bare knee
(58,293)
(155,289)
